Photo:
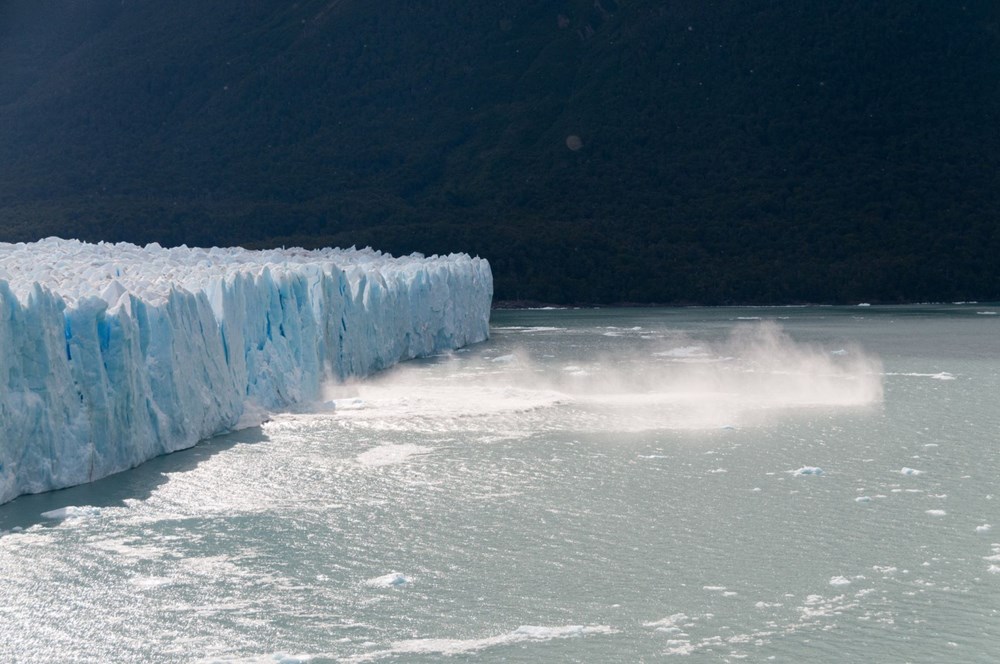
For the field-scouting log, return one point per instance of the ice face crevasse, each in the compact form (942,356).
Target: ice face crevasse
(112,354)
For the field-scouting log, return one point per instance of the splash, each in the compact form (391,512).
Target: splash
(755,375)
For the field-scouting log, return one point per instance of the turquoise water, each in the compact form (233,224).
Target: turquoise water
(793,484)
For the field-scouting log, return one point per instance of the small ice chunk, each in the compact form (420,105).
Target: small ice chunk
(503,359)
(910,471)
(983,529)
(671,623)
(72,512)
(863,499)
(683,352)
(679,647)
(840,581)
(348,404)
(390,580)
(807,470)
(936,512)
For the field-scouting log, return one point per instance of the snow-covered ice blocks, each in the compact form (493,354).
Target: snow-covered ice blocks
(112,354)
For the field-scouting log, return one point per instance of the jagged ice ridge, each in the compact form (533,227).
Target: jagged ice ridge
(112,354)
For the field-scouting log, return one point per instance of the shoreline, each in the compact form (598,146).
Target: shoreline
(503,305)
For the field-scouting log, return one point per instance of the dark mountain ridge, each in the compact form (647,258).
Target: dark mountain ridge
(644,151)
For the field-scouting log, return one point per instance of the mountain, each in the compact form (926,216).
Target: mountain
(672,151)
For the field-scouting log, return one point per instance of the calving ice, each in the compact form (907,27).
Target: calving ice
(111,354)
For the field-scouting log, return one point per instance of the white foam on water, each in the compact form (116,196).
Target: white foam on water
(936,512)
(272,658)
(450,647)
(684,352)
(840,581)
(941,375)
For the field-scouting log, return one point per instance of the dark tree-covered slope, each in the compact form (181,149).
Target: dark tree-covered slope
(672,151)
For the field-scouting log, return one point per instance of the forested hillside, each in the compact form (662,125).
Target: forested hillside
(671,151)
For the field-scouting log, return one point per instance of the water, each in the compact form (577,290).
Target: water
(588,486)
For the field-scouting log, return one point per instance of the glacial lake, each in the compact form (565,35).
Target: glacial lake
(701,485)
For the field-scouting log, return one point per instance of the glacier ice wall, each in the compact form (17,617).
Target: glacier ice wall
(112,354)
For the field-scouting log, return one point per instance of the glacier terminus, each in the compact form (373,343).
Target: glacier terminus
(112,354)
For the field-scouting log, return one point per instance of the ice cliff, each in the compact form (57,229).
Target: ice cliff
(112,354)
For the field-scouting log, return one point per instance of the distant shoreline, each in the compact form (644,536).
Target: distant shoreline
(501,305)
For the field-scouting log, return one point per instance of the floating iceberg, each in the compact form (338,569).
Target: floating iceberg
(112,354)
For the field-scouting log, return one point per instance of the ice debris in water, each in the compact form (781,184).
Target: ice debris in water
(450,647)
(72,512)
(983,529)
(993,558)
(112,354)
(840,581)
(910,471)
(390,580)
(808,470)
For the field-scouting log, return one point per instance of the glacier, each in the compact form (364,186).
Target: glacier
(112,354)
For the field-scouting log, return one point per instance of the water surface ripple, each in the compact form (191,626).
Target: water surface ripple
(796,484)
